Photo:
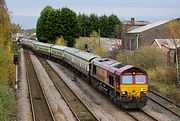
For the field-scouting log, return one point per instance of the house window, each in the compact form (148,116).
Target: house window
(132,44)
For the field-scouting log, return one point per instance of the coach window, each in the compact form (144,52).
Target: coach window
(111,80)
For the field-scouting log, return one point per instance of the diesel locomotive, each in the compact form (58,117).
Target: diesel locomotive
(125,84)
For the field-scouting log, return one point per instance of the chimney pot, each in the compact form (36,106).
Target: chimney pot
(132,21)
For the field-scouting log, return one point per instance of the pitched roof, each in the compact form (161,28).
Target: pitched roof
(137,23)
(147,27)
(168,43)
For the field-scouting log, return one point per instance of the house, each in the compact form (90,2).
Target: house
(129,25)
(144,35)
(167,47)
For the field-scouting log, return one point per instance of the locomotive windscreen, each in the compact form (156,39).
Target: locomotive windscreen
(140,79)
(127,79)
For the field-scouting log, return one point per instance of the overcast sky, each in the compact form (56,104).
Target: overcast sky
(26,12)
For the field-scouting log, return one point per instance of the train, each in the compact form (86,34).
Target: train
(124,84)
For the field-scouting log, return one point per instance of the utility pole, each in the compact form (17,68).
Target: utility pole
(137,38)
(177,60)
(99,35)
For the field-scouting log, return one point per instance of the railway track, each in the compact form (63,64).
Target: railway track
(79,109)
(40,108)
(165,103)
(140,115)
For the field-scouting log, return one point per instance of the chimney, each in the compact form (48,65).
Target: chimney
(132,21)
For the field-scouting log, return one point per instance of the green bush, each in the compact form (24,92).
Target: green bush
(145,57)
(7,100)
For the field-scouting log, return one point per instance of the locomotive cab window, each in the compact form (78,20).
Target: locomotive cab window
(140,79)
(127,79)
(111,80)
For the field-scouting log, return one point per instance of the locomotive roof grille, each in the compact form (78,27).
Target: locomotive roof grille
(134,69)
(120,65)
(104,60)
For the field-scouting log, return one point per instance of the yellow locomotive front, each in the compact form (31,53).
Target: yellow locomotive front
(133,88)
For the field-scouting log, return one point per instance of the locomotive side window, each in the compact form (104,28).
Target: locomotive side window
(111,80)
(127,79)
(140,79)
(94,69)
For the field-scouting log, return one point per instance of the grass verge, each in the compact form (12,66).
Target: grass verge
(7,101)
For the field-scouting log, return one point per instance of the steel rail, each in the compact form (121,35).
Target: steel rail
(149,115)
(28,60)
(78,115)
(131,115)
(173,112)
(177,105)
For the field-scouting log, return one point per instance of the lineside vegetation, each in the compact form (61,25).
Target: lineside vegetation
(7,69)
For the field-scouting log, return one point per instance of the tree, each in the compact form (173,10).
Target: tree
(15,28)
(84,25)
(114,24)
(174,31)
(93,23)
(107,26)
(7,68)
(53,30)
(58,23)
(43,29)
(69,25)
(104,26)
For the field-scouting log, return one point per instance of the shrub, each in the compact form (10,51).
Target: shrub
(147,57)
(60,41)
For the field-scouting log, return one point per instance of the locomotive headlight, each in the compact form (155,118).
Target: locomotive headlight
(123,92)
(144,92)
